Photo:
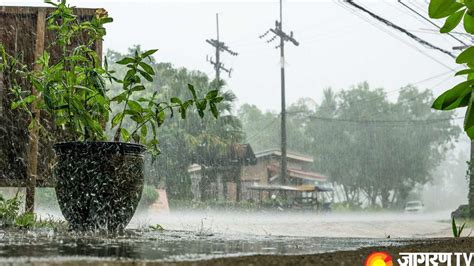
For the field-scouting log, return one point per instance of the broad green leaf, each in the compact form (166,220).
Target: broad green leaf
(466,57)
(193,91)
(176,100)
(160,118)
(149,52)
(212,94)
(455,97)
(135,106)
(218,99)
(120,98)
(452,21)
(464,72)
(469,4)
(138,88)
(214,110)
(443,8)
(15,105)
(469,120)
(116,119)
(144,131)
(125,61)
(145,75)
(125,135)
(29,99)
(148,69)
(469,21)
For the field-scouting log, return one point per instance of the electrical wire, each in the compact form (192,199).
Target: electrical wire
(339,3)
(392,25)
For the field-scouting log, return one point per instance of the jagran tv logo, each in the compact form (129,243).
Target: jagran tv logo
(379,259)
(421,259)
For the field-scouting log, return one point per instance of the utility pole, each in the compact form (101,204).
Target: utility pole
(220,47)
(278,32)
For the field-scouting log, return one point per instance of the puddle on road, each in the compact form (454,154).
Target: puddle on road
(34,245)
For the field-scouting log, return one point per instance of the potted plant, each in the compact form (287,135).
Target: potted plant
(99,182)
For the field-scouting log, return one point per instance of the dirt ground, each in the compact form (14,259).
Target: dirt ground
(347,258)
(351,258)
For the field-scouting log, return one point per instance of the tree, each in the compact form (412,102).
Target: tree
(374,149)
(460,95)
(184,141)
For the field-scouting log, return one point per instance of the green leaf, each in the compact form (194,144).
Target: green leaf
(144,131)
(214,110)
(454,228)
(29,99)
(116,119)
(148,69)
(466,57)
(161,118)
(125,61)
(149,52)
(135,106)
(469,22)
(192,90)
(212,94)
(176,100)
(218,99)
(443,8)
(120,98)
(455,97)
(452,21)
(464,72)
(138,88)
(469,120)
(145,75)
(469,4)
(125,135)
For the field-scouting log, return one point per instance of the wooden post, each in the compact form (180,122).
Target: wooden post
(32,152)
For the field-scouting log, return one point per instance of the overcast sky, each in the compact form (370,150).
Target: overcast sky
(338,48)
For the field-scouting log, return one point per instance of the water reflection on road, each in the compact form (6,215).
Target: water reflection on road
(191,235)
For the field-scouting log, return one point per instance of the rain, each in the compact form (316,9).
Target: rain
(272,132)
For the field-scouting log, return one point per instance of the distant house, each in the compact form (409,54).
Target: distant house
(265,173)
(244,175)
(219,179)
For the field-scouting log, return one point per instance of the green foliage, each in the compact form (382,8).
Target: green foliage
(193,140)
(10,216)
(461,94)
(25,220)
(457,230)
(9,210)
(72,88)
(156,227)
(149,196)
(374,149)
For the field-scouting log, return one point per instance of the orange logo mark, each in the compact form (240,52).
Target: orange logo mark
(379,259)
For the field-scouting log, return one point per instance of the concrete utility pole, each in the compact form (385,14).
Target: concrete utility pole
(220,47)
(278,31)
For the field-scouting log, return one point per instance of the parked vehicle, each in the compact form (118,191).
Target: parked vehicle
(415,206)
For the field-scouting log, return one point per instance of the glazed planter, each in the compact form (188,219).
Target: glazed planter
(99,184)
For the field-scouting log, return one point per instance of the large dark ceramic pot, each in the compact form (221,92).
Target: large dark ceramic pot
(99,184)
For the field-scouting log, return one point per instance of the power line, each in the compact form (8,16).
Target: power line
(262,130)
(429,21)
(392,25)
(366,121)
(392,34)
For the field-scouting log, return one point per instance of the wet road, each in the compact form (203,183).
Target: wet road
(203,235)
(359,225)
